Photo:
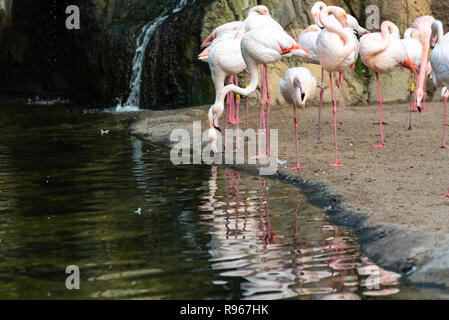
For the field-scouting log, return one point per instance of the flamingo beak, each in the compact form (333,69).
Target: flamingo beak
(216,125)
(318,22)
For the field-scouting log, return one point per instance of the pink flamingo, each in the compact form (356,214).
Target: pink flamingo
(424,26)
(337,49)
(353,24)
(439,60)
(382,53)
(261,46)
(221,31)
(308,39)
(298,87)
(225,59)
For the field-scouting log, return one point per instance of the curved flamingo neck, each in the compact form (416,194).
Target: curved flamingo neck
(437,32)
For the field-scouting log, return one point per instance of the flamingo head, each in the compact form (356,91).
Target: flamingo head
(437,28)
(259,10)
(300,92)
(213,116)
(316,9)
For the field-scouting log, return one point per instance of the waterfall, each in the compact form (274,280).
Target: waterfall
(133,101)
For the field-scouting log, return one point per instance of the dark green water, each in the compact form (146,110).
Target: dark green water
(71,196)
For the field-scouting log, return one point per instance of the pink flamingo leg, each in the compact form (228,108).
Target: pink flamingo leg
(262,113)
(247,116)
(268,111)
(225,128)
(424,107)
(321,104)
(340,98)
(334,106)
(237,112)
(295,120)
(334,109)
(231,113)
(382,145)
(228,100)
(444,146)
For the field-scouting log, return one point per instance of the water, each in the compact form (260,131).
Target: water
(132,104)
(74,193)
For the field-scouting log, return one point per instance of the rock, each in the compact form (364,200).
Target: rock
(395,87)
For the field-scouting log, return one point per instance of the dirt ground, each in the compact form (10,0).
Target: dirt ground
(400,184)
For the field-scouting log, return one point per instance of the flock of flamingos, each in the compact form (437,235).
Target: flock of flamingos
(335,41)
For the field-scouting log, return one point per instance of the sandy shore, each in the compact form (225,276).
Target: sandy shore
(390,197)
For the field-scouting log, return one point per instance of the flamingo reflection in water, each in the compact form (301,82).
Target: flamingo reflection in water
(251,241)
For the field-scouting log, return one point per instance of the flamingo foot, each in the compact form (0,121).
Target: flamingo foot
(413,108)
(336,164)
(234,120)
(377,146)
(298,167)
(424,108)
(444,146)
(445,196)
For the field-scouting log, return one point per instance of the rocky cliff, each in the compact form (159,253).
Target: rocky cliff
(40,56)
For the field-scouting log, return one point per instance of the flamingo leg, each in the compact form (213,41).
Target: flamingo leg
(228,101)
(261,113)
(246,85)
(412,89)
(238,122)
(382,145)
(340,98)
(334,110)
(295,120)
(225,127)
(231,113)
(444,146)
(321,104)
(267,134)
(424,107)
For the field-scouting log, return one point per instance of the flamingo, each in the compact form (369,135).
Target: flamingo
(383,52)
(354,25)
(298,87)
(260,46)
(337,49)
(424,26)
(225,59)
(439,60)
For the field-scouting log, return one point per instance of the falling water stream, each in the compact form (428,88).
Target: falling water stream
(144,38)
(76,189)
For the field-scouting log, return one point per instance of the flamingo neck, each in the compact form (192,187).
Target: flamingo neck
(254,81)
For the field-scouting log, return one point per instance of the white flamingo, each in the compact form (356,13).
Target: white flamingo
(225,59)
(439,59)
(337,49)
(298,87)
(383,52)
(260,46)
